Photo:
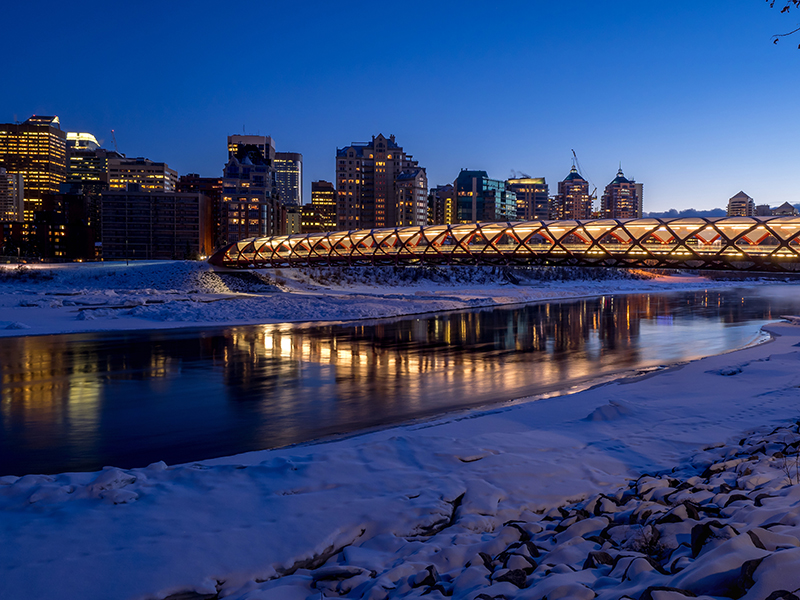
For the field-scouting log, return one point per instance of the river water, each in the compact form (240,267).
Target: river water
(83,401)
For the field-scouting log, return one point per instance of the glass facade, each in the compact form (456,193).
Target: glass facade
(482,199)
(289,177)
(37,149)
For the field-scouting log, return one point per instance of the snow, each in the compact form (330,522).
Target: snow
(442,506)
(67,298)
(642,488)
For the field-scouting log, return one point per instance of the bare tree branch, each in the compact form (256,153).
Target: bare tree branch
(786,8)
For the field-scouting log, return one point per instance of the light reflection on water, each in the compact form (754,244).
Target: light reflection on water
(83,401)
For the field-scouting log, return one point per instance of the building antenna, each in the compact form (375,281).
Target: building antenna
(114,139)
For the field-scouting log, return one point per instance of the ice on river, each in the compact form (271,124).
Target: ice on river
(62,298)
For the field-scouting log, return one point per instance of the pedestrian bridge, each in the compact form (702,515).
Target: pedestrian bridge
(734,243)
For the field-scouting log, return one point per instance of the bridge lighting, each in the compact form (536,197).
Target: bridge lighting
(501,243)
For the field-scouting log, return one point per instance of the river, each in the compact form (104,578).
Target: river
(83,401)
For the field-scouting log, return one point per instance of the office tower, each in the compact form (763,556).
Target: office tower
(620,199)
(12,196)
(441,205)
(250,205)
(138,224)
(37,150)
(263,143)
(741,205)
(293,219)
(323,201)
(367,185)
(289,177)
(573,200)
(533,197)
(67,227)
(211,188)
(148,175)
(81,141)
(87,165)
(320,215)
(640,195)
(479,198)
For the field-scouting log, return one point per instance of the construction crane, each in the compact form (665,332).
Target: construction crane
(577,165)
(116,149)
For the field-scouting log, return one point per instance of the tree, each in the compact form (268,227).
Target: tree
(787,6)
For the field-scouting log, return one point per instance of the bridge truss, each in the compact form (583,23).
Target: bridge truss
(734,243)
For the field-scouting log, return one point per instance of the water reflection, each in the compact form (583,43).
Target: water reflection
(84,401)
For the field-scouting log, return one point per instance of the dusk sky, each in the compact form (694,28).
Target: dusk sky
(691,97)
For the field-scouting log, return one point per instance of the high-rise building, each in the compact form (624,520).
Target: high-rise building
(573,200)
(81,141)
(479,198)
(533,197)
(411,190)
(141,224)
(293,216)
(323,201)
(741,205)
(250,205)
(621,199)
(640,195)
(148,175)
(442,205)
(263,143)
(67,227)
(289,177)
(12,196)
(87,166)
(367,186)
(211,188)
(37,150)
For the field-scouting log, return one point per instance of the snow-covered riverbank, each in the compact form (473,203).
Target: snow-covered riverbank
(42,299)
(426,508)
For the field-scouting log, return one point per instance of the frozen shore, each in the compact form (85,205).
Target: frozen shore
(673,480)
(67,298)
(500,503)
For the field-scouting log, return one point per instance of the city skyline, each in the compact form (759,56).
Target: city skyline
(670,96)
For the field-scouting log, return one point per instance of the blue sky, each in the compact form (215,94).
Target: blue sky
(691,97)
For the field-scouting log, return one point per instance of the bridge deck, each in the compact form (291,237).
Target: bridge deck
(737,243)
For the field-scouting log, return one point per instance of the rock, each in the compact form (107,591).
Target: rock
(516,576)
(701,533)
(429,576)
(518,562)
(637,568)
(746,580)
(571,591)
(110,478)
(778,571)
(651,593)
(598,558)
(470,579)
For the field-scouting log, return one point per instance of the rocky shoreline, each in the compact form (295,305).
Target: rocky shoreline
(725,525)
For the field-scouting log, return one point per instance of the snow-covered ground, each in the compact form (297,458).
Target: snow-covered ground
(670,480)
(504,503)
(41,299)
